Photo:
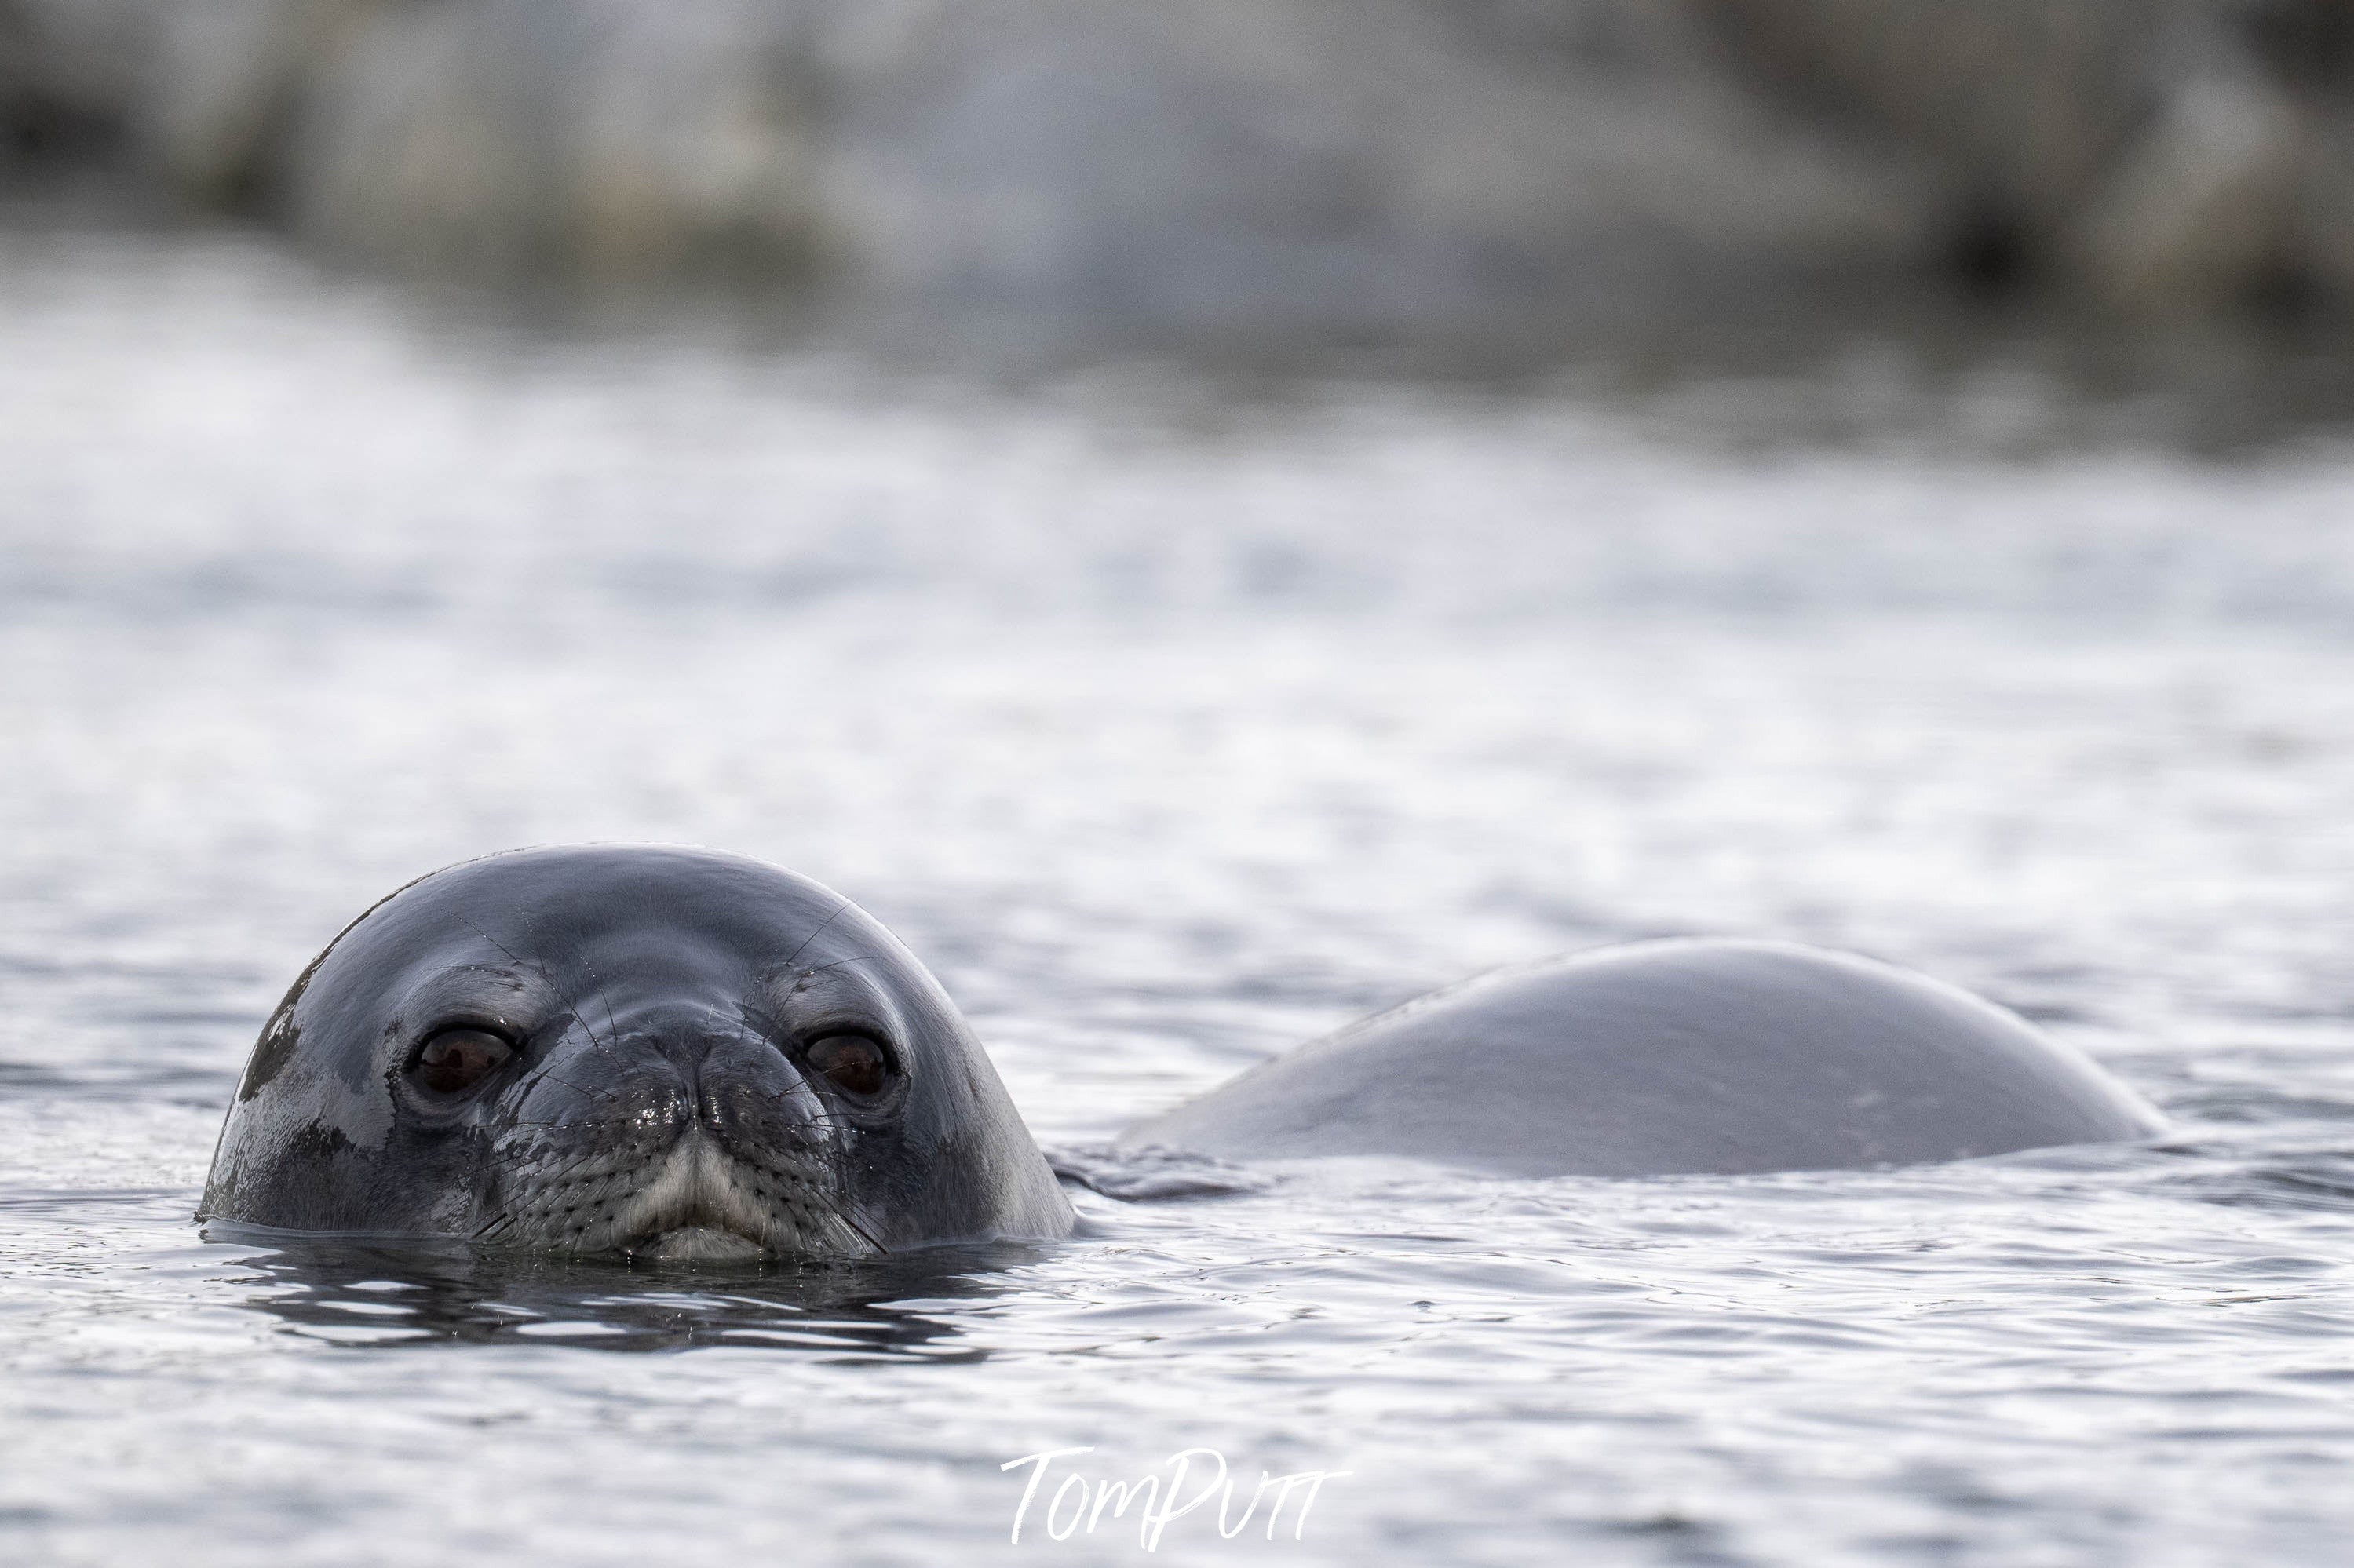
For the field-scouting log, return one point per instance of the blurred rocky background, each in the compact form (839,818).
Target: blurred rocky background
(1249,171)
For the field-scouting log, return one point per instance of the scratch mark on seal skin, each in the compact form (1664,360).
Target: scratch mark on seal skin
(823,926)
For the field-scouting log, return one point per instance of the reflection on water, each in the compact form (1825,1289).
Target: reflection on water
(389,1292)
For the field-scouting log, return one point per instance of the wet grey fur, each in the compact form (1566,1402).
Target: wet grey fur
(657,1102)
(1665,1057)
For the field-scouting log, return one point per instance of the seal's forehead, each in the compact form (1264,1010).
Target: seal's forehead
(542,906)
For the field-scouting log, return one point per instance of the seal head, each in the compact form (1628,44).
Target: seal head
(662,1052)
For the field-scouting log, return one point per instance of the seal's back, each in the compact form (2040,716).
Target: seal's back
(1673,1056)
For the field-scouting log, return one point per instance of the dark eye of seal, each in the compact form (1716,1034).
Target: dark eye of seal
(457,1059)
(852,1063)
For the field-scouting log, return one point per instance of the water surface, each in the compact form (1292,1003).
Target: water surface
(1171,727)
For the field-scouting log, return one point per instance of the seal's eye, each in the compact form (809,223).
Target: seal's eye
(852,1063)
(457,1059)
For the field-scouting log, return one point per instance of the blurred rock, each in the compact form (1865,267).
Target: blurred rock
(1336,163)
(69,69)
(2200,204)
(1247,166)
(1345,162)
(2171,157)
(225,108)
(601,138)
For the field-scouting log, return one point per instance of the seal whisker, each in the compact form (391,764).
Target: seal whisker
(822,927)
(606,1048)
(612,1025)
(824,969)
(490,1229)
(556,1078)
(540,969)
(864,1235)
(468,922)
(538,1149)
(584,1122)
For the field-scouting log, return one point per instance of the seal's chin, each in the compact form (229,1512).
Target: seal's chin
(696,1244)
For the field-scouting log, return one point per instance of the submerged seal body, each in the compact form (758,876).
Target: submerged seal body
(1664,1057)
(655,1052)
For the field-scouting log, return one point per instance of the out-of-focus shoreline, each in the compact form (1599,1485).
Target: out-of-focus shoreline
(1223,174)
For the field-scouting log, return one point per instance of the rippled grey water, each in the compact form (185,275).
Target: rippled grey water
(1170,729)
